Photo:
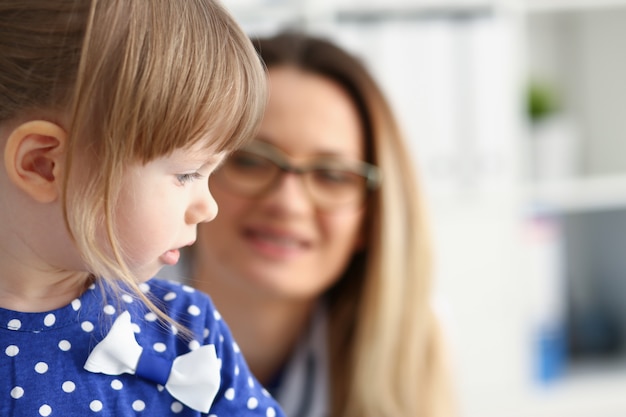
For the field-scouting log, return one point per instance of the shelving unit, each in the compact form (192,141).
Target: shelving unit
(575,43)
(571,45)
(584,194)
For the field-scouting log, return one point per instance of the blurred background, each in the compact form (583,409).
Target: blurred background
(515,117)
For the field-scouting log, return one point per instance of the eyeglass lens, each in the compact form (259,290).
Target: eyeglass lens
(330,183)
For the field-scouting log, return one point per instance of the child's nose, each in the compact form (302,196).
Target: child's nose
(203,209)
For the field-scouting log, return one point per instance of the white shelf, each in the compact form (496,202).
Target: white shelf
(422,9)
(589,390)
(299,11)
(581,194)
(266,14)
(540,6)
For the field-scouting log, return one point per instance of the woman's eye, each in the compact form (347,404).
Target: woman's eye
(335,176)
(185,178)
(247,161)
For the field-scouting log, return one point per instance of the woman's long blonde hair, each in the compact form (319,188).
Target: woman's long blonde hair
(137,79)
(386,352)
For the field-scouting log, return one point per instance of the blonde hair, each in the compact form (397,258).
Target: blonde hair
(386,352)
(138,79)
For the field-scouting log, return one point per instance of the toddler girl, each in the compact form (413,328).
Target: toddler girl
(112,116)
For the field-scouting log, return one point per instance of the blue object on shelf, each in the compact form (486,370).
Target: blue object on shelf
(551,354)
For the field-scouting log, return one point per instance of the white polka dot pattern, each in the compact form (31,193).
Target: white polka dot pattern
(68,386)
(49,320)
(42,362)
(176,407)
(95,405)
(252,403)
(230,394)
(194,310)
(45,410)
(17,392)
(41,367)
(64,345)
(139,405)
(12,350)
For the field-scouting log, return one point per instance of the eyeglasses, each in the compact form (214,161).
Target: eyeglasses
(330,182)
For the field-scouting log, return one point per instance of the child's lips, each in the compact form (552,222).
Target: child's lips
(171,257)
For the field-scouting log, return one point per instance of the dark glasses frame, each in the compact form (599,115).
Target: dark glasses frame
(370,172)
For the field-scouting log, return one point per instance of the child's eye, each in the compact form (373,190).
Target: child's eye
(185,178)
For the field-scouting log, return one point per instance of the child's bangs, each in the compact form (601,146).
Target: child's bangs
(165,86)
(208,81)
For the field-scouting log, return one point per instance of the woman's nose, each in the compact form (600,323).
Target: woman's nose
(290,193)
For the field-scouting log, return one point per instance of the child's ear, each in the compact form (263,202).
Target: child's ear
(33,159)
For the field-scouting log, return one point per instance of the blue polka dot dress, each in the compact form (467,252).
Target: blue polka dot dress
(42,358)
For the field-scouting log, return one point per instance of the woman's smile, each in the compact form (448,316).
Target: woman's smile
(274,243)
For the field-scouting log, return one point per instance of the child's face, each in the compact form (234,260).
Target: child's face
(160,205)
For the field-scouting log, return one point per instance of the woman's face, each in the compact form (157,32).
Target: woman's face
(280,243)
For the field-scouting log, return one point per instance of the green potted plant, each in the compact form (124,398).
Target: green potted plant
(553,135)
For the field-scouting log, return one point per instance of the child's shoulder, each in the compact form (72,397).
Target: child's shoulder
(187,306)
(178,300)
(172,294)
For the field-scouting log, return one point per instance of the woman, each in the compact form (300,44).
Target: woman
(319,258)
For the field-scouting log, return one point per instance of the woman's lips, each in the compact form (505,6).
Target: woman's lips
(275,245)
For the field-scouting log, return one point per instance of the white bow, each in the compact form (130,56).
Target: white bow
(192,378)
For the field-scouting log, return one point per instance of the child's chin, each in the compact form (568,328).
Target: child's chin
(147,274)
